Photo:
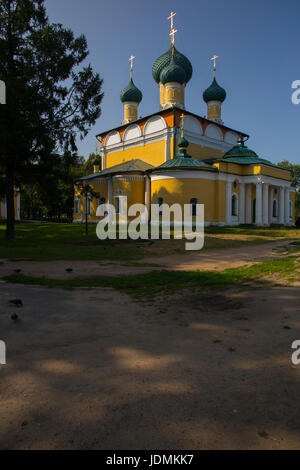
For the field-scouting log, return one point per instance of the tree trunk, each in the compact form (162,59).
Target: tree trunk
(10,207)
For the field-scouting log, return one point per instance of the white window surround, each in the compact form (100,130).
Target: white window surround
(192,125)
(112,138)
(275,209)
(213,132)
(154,124)
(234,197)
(192,204)
(132,132)
(77,205)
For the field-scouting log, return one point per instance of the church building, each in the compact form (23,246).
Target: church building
(176,156)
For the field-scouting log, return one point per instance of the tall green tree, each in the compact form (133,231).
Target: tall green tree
(50,100)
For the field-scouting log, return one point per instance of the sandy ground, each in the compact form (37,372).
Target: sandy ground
(203,260)
(91,369)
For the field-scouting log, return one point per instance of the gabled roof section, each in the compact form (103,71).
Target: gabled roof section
(135,165)
(183,163)
(166,112)
(248,161)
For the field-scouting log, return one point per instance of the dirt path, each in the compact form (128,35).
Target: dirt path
(204,260)
(90,369)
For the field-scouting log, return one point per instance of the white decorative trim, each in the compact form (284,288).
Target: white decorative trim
(129,130)
(98,179)
(185,175)
(128,178)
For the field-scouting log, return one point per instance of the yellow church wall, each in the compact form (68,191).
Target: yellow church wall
(178,190)
(201,153)
(134,190)
(220,201)
(153,153)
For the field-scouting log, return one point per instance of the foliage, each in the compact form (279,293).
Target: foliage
(50,101)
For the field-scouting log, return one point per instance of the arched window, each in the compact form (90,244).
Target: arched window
(234,205)
(101,201)
(275,208)
(194,204)
(159,203)
(77,205)
(117,205)
(290,209)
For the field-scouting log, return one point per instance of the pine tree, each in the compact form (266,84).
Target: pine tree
(50,100)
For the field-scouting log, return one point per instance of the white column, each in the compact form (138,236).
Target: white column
(281,205)
(242,203)
(103,155)
(228,202)
(258,215)
(265,204)
(110,193)
(167,147)
(271,196)
(249,204)
(287,206)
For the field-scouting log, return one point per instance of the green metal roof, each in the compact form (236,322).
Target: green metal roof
(126,167)
(179,163)
(165,59)
(249,161)
(173,73)
(97,161)
(131,93)
(240,150)
(214,92)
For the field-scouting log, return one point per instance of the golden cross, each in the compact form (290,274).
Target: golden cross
(214,59)
(131,59)
(172,34)
(172,14)
(182,125)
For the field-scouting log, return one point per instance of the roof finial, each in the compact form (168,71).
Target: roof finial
(131,59)
(182,125)
(172,30)
(214,59)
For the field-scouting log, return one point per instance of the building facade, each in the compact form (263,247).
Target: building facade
(175,156)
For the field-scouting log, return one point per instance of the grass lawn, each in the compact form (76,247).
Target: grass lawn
(44,242)
(169,281)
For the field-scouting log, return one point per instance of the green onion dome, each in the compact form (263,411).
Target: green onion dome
(240,150)
(183,143)
(131,93)
(173,73)
(97,161)
(214,92)
(165,60)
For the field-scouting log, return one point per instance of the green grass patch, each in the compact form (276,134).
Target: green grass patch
(169,281)
(46,242)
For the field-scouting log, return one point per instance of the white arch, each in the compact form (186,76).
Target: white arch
(191,124)
(113,138)
(213,132)
(234,205)
(154,124)
(231,137)
(132,132)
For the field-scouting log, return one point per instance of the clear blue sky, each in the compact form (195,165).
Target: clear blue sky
(257,41)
